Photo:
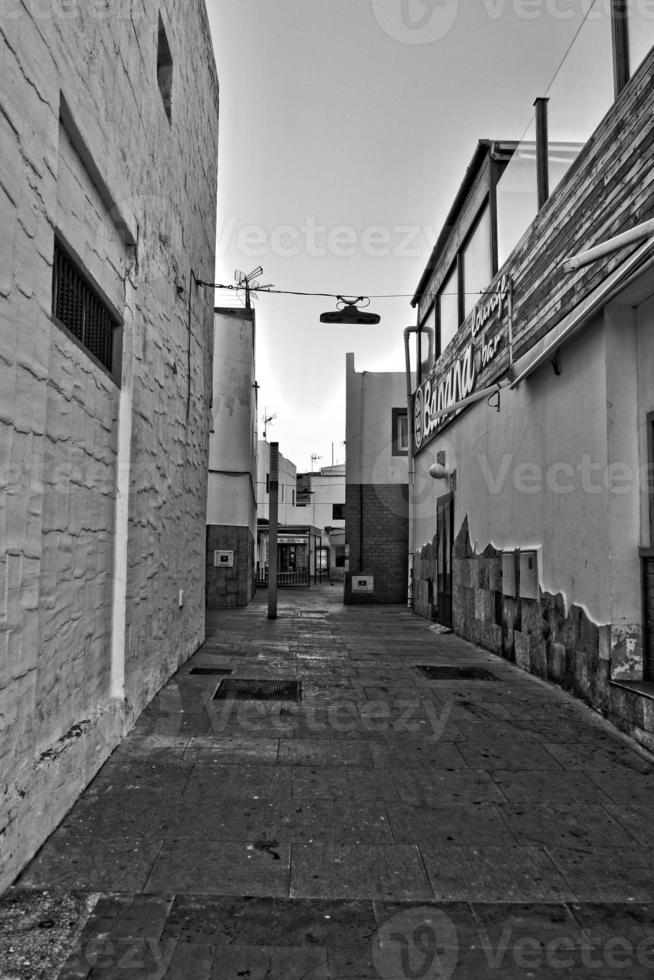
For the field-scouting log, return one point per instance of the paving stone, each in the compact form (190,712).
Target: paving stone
(589,756)
(630,921)
(508,754)
(621,786)
(381,871)
(167,778)
(191,818)
(126,813)
(557,787)
(191,963)
(120,864)
(266,921)
(430,787)
(231,750)
(209,867)
(233,782)
(270,963)
(323,782)
(414,753)
(324,752)
(638,820)
(344,820)
(494,874)
(601,874)
(467,823)
(564,824)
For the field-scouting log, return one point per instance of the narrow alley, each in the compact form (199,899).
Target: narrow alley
(387,814)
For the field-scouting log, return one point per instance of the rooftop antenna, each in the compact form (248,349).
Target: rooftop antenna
(314,457)
(267,420)
(248,282)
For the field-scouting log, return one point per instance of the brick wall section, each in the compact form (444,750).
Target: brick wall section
(377,532)
(60,413)
(608,189)
(228,587)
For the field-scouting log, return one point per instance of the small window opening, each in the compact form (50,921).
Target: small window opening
(165,70)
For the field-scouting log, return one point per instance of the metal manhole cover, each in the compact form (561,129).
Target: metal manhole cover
(209,670)
(454,672)
(258,690)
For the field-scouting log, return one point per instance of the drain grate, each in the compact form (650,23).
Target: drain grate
(455,672)
(210,670)
(258,690)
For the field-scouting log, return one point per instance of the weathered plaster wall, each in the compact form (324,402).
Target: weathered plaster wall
(104,488)
(531,475)
(231,497)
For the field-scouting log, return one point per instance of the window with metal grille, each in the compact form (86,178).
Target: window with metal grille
(79,308)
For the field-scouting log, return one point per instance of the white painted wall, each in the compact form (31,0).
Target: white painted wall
(531,476)
(370,399)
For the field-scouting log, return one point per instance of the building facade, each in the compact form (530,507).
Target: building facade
(322,495)
(231,497)
(376,487)
(533,430)
(107,206)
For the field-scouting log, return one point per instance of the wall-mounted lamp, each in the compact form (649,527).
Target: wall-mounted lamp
(438,472)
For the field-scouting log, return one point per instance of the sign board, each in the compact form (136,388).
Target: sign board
(223,559)
(362,583)
(291,539)
(485,336)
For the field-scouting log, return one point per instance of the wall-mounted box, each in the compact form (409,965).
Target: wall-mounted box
(529,574)
(223,559)
(362,583)
(508,574)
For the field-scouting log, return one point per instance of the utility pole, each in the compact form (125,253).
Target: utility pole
(272,532)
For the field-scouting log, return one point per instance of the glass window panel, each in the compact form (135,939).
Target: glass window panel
(477,267)
(448,307)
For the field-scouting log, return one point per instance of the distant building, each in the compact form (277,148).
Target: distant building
(376,498)
(323,495)
(107,209)
(231,498)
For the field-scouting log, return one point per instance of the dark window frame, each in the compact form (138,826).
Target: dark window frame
(396,448)
(88,292)
(484,208)
(338,512)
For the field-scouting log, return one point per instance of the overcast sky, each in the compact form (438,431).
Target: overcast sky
(345,130)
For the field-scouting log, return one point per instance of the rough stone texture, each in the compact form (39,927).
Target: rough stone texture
(134,195)
(377,523)
(539,636)
(227,587)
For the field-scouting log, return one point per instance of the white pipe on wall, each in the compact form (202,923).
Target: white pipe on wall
(635,234)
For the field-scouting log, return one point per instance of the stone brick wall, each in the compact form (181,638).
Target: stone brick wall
(377,532)
(228,587)
(104,486)
(541,636)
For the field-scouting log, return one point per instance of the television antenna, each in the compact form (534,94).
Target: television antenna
(267,420)
(250,283)
(314,457)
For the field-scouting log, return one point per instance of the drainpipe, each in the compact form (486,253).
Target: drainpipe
(542,152)
(635,234)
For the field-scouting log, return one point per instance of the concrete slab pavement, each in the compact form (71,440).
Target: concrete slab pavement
(385,825)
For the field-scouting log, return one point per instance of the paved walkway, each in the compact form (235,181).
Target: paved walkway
(387,825)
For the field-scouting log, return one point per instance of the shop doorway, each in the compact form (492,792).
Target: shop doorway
(445,546)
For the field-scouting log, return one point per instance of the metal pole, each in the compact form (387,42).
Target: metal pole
(620,40)
(542,152)
(272,535)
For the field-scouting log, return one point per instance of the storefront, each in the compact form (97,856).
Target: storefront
(298,549)
(532,503)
